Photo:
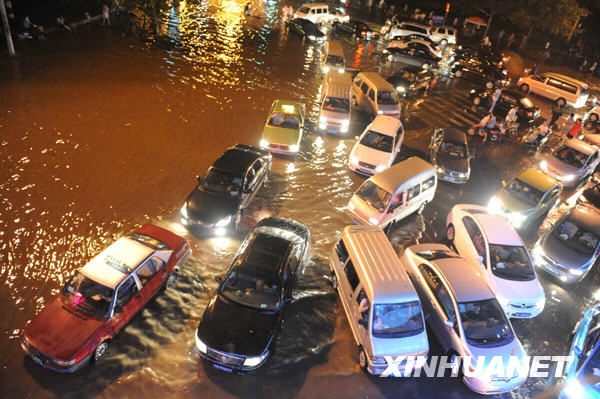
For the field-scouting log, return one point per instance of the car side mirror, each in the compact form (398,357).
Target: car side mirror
(363,322)
(288,299)
(449,323)
(480,259)
(118,309)
(199,178)
(219,279)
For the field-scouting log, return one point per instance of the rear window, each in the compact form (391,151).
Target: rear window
(569,88)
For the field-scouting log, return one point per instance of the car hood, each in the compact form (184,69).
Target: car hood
(450,163)
(515,290)
(232,328)
(209,207)
(406,346)
(372,156)
(514,348)
(559,168)
(512,204)
(278,135)
(562,254)
(59,331)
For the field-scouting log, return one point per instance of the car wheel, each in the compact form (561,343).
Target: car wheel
(421,208)
(561,102)
(589,125)
(170,280)
(458,73)
(489,85)
(334,281)
(425,66)
(100,351)
(362,358)
(444,42)
(525,87)
(594,118)
(390,57)
(450,233)
(477,100)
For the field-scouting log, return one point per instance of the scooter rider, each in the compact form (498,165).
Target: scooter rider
(542,132)
(511,117)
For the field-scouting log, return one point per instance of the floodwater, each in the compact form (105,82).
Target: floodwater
(105,130)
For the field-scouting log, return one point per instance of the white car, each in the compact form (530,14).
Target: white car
(408,28)
(376,149)
(572,163)
(492,246)
(443,35)
(417,43)
(320,13)
(468,321)
(559,88)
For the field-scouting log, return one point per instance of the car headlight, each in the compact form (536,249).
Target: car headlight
(544,166)
(576,272)
(574,389)
(541,302)
(323,119)
(341,70)
(351,206)
(346,122)
(505,303)
(379,112)
(199,344)
(312,37)
(223,222)
(472,91)
(538,254)
(495,205)
(326,69)
(463,175)
(373,220)
(380,168)
(264,143)
(385,51)
(294,148)
(255,361)
(354,160)
(401,89)
(64,363)
(516,219)
(184,211)
(569,178)
(378,360)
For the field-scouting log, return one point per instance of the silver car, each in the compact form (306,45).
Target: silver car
(570,248)
(465,316)
(572,163)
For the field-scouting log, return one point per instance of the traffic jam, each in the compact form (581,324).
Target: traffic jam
(496,253)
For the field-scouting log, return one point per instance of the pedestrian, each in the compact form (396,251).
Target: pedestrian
(592,68)
(495,98)
(500,36)
(546,53)
(557,110)
(569,123)
(511,39)
(511,117)
(290,12)
(61,23)
(584,65)
(248,9)
(486,42)
(87,16)
(370,5)
(455,22)
(575,129)
(105,15)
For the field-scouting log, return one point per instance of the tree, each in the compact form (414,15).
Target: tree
(490,9)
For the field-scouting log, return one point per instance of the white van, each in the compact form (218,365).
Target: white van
(409,28)
(382,307)
(443,34)
(336,112)
(556,87)
(333,58)
(318,13)
(394,194)
(375,96)
(378,146)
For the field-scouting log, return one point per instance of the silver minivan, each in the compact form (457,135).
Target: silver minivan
(381,305)
(374,95)
(335,110)
(394,194)
(333,58)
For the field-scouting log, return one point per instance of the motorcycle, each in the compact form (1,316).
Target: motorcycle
(493,134)
(533,138)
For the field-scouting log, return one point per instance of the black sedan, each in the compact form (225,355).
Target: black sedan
(305,28)
(240,325)
(591,196)
(526,111)
(410,80)
(217,202)
(481,73)
(449,154)
(413,54)
(356,28)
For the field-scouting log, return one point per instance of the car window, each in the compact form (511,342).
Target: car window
(397,200)
(442,30)
(358,81)
(430,277)
(257,165)
(125,291)
(475,234)
(313,11)
(341,251)
(427,184)
(443,297)
(146,271)
(364,87)
(158,262)
(413,192)
(450,31)
(351,275)
(249,178)
(554,83)
(372,94)
(569,88)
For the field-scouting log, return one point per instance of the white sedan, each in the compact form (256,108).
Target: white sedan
(488,242)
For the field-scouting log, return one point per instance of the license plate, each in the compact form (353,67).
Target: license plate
(551,269)
(222,368)
(521,314)
(365,171)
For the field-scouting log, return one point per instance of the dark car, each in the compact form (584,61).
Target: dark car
(481,72)
(355,28)
(240,325)
(592,195)
(415,54)
(306,28)
(509,98)
(449,154)
(226,189)
(410,80)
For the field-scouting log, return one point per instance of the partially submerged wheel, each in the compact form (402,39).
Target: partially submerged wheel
(525,87)
(100,351)
(362,358)
(561,101)
(171,280)
(450,233)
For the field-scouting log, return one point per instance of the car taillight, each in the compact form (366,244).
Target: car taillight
(363,33)
(529,113)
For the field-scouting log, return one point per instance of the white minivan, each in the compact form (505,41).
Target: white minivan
(556,87)
(333,58)
(378,146)
(382,307)
(374,95)
(394,194)
(336,112)
(319,13)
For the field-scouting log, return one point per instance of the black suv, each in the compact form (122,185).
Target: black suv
(240,325)
(449,153)
(309,30)
(356,28)
(217,202)
(410,80)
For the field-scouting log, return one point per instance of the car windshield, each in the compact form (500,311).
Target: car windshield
(285,121)
(374,195)
(377,141)
(526,103)
(524,192)
(336,104)
(88,296)
(397,320)
(387,97)
(455,150)
(222,182)
(576,237)
(511,262)
(148,241)
(484,323)
(570,156)
(253,289)
(335,60)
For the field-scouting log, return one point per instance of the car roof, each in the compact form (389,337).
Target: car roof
(334,46)
(466,281)
(454,135)
(566,78)
(397,174)
(115,263)
(385,124)
(376,79)
(338,90)
(382,274)
(537,179)
(339,78)
(581,146)
(586,217)
(311,5)
(497,229)
(287,106)
(236,160)
(415,24)
(265,254)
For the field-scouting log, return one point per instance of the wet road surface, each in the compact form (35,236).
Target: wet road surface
(102,132)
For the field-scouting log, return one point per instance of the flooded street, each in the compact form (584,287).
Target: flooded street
(106,129)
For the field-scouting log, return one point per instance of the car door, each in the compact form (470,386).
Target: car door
(412,199)
(259,169)
(470,242)
(371,101)
(124,305)
(447,308)
(362,330)
(550,198)
(148,278)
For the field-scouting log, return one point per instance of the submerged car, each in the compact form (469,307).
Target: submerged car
(526,198)
(414,53)
(572,163)
(307,29)
(239,327)
(481,72)
(283,131)
(75,328)
(449,154)
(410,80)
(227,188)
(356,28)
(377,147)
(509,98)
(570,249)
(491,245)
(465,316)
